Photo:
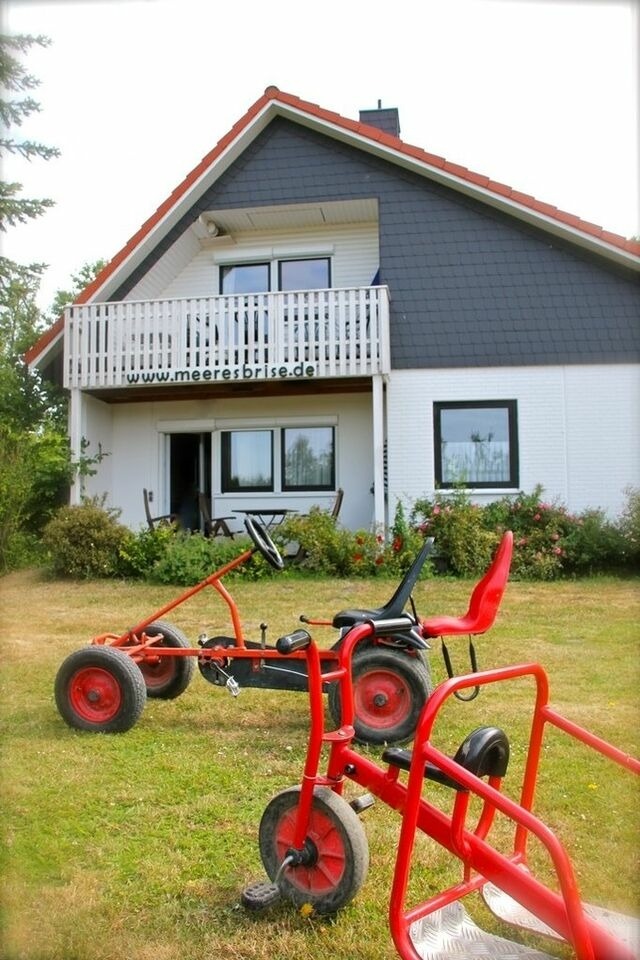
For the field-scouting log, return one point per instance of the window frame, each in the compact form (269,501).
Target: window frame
(225,462)
(277,432)
(224,268)
(281,260)
(511,406)
(291,488)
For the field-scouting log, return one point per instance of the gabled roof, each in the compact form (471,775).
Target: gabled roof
(275,102)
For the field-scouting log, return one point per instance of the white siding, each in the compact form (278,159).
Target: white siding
(138,450)
(353,249)
(163,272)
(578,426)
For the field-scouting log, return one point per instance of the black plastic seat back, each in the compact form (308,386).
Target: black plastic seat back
(395,606)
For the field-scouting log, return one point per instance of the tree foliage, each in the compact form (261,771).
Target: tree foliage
(14,79)
(34,451)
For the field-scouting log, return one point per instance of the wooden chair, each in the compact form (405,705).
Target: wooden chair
(337,503)
(166,520)
(213,525)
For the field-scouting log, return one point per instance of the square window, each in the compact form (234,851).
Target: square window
(247,460)
(308,458)
(476,443)
(244,278)
(304,274)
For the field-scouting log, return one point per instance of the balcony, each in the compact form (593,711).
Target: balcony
(263,336)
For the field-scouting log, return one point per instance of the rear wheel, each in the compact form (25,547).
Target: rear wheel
(336,850)
(167,677)
(100,689)
(390,687)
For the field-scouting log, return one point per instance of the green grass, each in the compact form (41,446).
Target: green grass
(138,845)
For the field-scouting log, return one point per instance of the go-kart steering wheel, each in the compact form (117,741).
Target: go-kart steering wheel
(264,543)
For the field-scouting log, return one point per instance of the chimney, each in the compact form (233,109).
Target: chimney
(384,118)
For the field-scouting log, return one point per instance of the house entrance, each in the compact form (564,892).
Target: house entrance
(189,476)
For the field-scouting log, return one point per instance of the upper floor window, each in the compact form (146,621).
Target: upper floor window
(244,278)
(476,443)
(304,274)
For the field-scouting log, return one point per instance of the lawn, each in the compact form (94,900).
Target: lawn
(138,845)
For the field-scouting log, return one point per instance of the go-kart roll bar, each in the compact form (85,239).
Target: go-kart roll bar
(213,580)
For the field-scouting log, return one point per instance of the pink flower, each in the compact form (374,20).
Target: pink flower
(537,516)
(557,551)
(436,510)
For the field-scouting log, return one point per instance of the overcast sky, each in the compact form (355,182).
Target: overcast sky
(539,94)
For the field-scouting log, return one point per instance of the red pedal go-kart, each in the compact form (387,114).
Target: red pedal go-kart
(314,848)
(103,687)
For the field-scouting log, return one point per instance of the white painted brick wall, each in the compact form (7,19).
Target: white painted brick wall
(578,426)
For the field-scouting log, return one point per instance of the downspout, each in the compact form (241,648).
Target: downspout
(378,451)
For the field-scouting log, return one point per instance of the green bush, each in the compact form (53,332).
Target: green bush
(629,526)
(592,544)
(331,550)
(188,558)
(85,541)
(464,546)
(141,551)
(539,532)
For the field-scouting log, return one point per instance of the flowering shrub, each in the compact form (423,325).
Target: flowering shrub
(333,550)
(464,545)
(539,533)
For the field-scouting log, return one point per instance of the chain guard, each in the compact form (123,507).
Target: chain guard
(207,665)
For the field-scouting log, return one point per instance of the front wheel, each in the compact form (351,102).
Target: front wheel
(336,844)
(100,689)
(390,687)
(167,677)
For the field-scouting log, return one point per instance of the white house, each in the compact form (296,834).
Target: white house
(321,305)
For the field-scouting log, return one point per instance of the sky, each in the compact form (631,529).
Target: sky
(539,94)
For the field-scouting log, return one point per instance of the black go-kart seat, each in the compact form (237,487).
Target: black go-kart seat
(395,606)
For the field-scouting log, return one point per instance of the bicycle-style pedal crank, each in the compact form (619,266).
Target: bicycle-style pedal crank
(261,894)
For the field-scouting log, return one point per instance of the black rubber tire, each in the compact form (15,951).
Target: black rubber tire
(101,689)
(337,836)
(172,675)
(402,680)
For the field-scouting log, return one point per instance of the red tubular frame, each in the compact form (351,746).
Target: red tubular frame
(561,911)
(140,646)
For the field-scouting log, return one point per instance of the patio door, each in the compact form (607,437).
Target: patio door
(189,476)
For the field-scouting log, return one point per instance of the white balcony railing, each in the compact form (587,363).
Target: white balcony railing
(261,336)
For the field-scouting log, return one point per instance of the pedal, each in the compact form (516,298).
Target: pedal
(360,804)
(450,932)
(260,895)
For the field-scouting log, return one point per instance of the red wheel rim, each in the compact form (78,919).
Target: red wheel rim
(157,672)
(326,873)
(95,694)
(382,699)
